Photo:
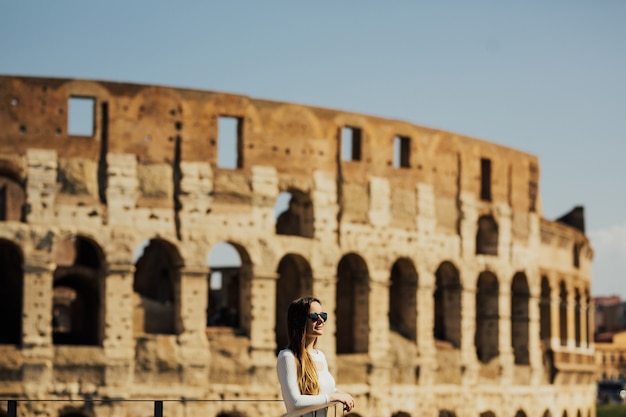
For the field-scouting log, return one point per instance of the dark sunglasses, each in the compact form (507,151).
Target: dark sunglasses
(316,316)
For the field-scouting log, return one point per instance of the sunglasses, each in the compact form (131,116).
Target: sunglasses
(316,316)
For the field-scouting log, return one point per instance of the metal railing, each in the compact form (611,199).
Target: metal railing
(333,409)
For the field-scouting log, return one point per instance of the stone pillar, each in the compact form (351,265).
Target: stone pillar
(534,323)
(425,325)
(468,327)
(505,348)
(555,316)
(118,329)
(262,328)
(380,199)
(505,232)
(37,345)
(196,188)
(193,341)
(468,225)
(571,320)
(324,287)
(583,322)
(41,185)
(122,186)
(378,343)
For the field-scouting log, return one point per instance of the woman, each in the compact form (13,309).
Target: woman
(302,369)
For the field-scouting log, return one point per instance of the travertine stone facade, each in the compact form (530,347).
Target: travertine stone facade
(448,293)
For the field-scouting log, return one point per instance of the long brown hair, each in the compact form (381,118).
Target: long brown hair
(297,317)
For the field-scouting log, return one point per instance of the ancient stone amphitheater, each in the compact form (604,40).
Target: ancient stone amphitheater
(449,294)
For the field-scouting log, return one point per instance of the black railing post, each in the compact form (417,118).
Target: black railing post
(158,409)
(12,408)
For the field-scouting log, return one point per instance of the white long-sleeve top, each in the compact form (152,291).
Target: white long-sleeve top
(288,377)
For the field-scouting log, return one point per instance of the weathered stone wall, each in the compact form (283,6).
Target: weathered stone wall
(405,258)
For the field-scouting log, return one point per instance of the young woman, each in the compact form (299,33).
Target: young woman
(302,369)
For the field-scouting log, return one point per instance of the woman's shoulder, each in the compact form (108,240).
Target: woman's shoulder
(285,353)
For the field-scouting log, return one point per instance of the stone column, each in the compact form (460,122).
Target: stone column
(37,345)
(41,185)
(535,351)
(263,323)
(468,326)
(122,186)
(118,330)
(468,225)
(583,322)
(325,287)
(193,341)
(505,348)
(378,338)
(571,317)
(555,316)
(425,325)
(504,232)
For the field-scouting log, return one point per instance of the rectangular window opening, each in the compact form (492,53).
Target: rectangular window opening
(229,142)
(485,179)
(350,144)
(401,152)
(81,116)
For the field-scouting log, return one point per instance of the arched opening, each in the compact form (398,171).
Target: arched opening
(298,218)
(401,414)
(229,285)
(352,301)
(156,283)
(487,236)
(577,318)
(564,413)
(447,326)
(11,286)
(295,279)
(520,296)
(547,413)
(563,313)
(520,413)
(487,317)
(487,414)
(403,299)
(77,309)
(447,413)
(545,313)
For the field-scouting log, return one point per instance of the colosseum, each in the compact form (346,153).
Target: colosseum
(151,239)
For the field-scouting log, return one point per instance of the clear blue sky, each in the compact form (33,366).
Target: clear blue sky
(544,77)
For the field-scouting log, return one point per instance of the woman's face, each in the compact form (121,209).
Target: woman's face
(315,328)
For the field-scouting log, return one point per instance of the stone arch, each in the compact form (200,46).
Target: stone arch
(487,317)
(12,288)
(447,413)
(230,277)
(563,312)
(447,326)
(352,305)
(295,279)
(403,299)
(298,218)
(401,414)
(564,413)
(156,283)
(547,413)
(545,311)
(520,413)
(520,319)
(488,414)
(12,192)
(487,236)
(78,288)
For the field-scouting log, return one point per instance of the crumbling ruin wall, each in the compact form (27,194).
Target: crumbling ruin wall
(447,290)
